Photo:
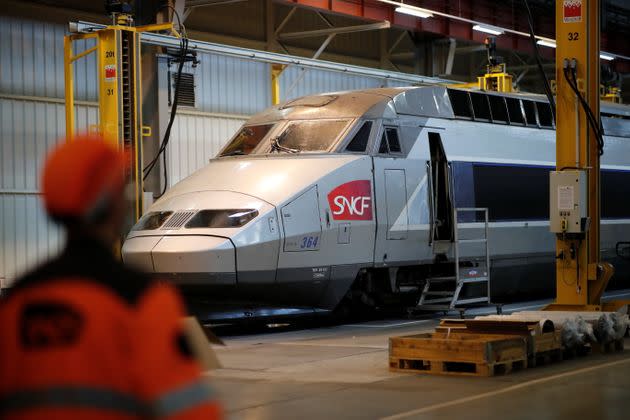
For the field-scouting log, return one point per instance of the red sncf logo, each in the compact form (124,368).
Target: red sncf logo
(351,201)
(572,8)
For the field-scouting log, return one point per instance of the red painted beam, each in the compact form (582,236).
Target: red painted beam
(504,14)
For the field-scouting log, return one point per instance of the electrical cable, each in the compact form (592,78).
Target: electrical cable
(571,78)
(183,51)
(532,37)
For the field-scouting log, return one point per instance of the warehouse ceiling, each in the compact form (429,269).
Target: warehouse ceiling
(411,45)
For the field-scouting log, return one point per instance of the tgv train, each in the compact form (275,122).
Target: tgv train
(343,196)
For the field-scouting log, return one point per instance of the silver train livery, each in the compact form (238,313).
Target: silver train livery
(349,197)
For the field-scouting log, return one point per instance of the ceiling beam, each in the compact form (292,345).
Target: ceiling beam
(335,31)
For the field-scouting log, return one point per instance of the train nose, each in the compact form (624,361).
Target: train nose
(190,259)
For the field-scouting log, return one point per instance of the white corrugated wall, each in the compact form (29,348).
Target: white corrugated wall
(32,120)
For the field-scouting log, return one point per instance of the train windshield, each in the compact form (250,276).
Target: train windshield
(246,140)
(307,136)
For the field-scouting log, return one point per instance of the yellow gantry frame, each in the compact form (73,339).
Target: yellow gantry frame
(580,281)
(110,84)
(496,79)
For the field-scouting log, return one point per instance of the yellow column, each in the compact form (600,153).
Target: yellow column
(108,85)
(276,70)
(577,37)
(69,85)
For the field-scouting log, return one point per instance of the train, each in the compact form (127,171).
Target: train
(349,198)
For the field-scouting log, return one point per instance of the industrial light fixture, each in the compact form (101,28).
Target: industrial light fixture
(546,43)
(606,56)
(414,11)
(492,30)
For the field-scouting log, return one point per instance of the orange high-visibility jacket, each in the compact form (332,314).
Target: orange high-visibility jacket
(85,337)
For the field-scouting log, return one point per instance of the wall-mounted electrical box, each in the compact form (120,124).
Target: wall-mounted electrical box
(568,202)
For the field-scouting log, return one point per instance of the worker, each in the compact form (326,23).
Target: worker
(83,336)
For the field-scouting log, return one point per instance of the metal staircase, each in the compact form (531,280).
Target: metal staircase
(444,293)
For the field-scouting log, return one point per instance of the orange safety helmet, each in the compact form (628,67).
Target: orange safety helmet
(81,177)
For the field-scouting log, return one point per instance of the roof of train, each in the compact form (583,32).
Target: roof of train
(426,101)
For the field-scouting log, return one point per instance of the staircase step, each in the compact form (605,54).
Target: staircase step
(440,293)
(441,279)
(472,300)
(438,300)
(434,307)
(475,280)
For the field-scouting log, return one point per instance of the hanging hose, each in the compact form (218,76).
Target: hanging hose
(183,52)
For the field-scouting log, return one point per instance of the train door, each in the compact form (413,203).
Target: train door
(390,186)
(440,194)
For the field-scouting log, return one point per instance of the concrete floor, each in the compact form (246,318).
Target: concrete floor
(341,373)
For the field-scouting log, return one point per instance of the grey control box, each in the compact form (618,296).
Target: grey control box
(568,203)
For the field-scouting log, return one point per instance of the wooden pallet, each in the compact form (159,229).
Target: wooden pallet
(457,354)
(541,346)
(454,368)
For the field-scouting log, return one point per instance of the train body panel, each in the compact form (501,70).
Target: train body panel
(332,193)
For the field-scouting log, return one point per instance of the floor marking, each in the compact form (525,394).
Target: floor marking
(503,390)
(400,324)
(362,346)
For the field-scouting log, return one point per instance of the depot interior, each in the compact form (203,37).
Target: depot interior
(437,191)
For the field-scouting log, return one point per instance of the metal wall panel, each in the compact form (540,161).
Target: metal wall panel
(27,236)
(195,140)
(229,85)
(28,130)
(31,60)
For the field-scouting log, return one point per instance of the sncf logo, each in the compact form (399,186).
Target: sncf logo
(351,201)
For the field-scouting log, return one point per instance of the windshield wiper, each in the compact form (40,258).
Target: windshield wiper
(277,147)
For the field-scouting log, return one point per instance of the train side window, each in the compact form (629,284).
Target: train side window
(460,102)
(360,140)
(530,112)
(544,114)
(481,108)
(392,140)
(498,108)
(515,112)
(382,148)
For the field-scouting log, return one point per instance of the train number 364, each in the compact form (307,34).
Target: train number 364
(309,242)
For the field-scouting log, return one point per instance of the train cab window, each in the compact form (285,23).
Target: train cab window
(382,148)
(460,102)
(515,112)
(246,140)
(530,113)
(544,114)
(360,140)
(307,136)
(392,140)
(498,109)
(390,144)
(481,107)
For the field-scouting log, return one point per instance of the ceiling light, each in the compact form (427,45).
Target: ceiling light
(546,43)
(606,56)
(414,12)
(492,30)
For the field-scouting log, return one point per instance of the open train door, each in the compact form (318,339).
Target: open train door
(441,195)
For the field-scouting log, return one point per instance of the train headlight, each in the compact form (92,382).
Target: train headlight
(230,218)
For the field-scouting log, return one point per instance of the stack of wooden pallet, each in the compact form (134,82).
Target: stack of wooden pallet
(475,348)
